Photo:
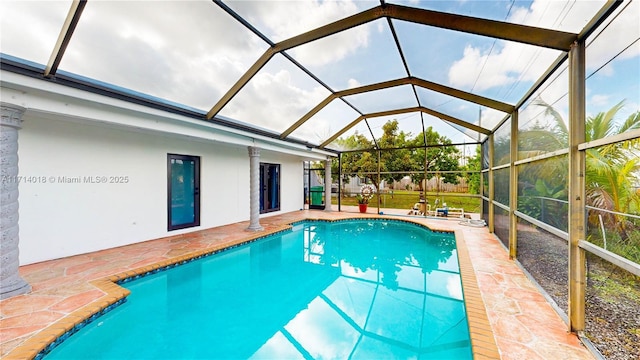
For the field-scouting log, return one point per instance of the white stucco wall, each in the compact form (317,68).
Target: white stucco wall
(70,134)
(291,181)
(59,219)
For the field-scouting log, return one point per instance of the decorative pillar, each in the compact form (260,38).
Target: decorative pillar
(11,284)
(327,185)
(254,189)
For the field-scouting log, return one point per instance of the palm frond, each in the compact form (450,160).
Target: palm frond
(551,111)
(631,123)
(603,124)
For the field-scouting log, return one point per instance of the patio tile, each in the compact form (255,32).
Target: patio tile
(511,350)
(53,271)
(523,294)
(88,266)
(54,283)
(20,305)
(10,344)
(512,330)
(507,306)
(9,335)
(77,301)
(67,289)
(43,317)
(560,351)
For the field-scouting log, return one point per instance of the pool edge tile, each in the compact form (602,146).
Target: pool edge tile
(483,342)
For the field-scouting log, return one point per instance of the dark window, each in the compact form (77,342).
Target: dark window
(183,180)
(269,187)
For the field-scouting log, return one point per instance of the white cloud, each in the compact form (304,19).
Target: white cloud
(454,288)
(353,83)
(600,100)
(332,118)
(331,49)
(30,29)
(611,86)
(272,101)
(569,16)
(336,342)
(490,118)
(606,70)
(186,54)
(511,62)
(193,54)
(556,96)
(281,20)
(622,32)
(277,347)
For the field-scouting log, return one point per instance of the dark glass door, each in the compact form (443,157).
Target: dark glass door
(269,187)
(184,191)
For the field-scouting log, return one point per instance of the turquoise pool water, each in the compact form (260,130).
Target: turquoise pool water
(363,289)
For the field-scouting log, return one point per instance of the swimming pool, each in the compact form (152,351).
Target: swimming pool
(359,288)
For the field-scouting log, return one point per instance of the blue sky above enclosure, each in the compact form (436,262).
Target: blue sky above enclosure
(193,52)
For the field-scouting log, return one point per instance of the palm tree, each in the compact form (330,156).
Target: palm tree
(610,169)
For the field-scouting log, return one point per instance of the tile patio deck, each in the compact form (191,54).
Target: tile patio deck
(523,324)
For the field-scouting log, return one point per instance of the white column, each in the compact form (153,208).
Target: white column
(254,189)
(327,185)
(11,284)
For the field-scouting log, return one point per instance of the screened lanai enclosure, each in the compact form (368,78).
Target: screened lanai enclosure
(525,114)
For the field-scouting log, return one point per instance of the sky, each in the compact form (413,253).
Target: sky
(192,52)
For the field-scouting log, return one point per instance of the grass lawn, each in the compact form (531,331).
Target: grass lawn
(403,199)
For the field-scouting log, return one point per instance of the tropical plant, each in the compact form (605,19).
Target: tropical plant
(610,169)
(545,202)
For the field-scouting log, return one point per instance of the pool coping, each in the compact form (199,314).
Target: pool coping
(483,342)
